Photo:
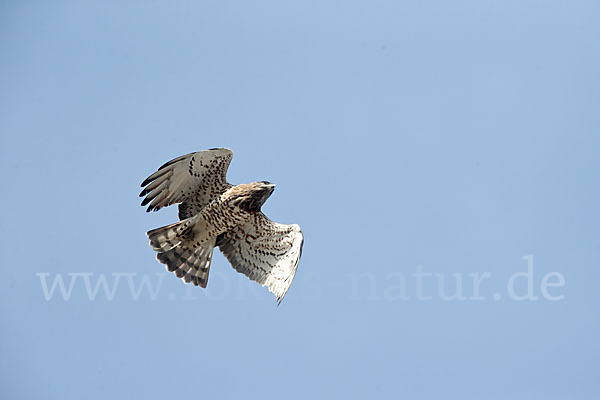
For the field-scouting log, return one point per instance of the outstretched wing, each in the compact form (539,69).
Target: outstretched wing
(264,251)
(192,180)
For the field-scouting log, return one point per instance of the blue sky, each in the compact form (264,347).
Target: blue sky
(455,140)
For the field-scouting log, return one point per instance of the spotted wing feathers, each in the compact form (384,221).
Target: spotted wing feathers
(193,180)
(264,251)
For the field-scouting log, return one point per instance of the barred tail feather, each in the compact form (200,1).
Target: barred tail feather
(179,248)
(190,264)
(168,237)
(177,251)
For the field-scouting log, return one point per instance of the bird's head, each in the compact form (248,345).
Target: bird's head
(251,196)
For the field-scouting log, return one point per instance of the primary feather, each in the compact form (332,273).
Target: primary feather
(215,213)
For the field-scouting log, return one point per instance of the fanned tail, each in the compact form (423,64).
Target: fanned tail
(177,250)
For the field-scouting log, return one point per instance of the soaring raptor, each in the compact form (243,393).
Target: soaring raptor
(212,213)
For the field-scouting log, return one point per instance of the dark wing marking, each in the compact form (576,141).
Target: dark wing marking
(192,180)
(264,251)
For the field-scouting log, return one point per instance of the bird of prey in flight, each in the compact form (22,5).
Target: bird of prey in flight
(213,213)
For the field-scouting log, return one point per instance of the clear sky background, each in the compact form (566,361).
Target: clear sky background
(450,137)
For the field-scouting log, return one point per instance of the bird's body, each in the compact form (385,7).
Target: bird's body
(215,213)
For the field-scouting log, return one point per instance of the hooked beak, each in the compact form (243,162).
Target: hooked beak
(269,185)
